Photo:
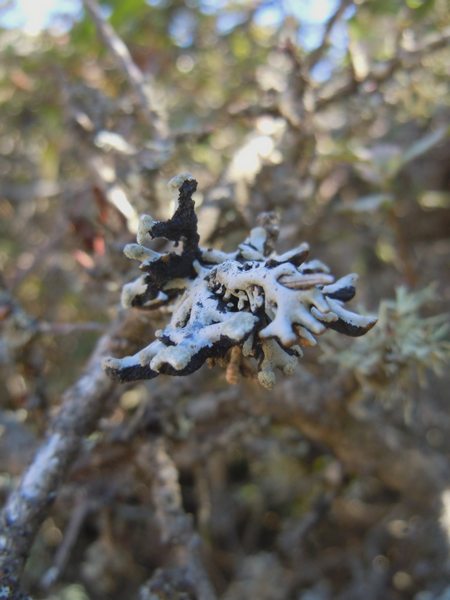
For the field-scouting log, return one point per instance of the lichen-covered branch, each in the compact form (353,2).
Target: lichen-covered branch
(27,506)
(268,304)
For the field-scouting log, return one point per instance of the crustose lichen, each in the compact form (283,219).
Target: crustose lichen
(266,304)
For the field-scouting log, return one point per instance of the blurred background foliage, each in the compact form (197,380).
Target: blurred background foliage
(336,115)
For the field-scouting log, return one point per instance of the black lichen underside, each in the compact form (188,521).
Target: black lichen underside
(183,224)
(268,305)
(180,228)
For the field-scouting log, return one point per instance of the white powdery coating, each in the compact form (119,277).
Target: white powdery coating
(276,358)
(344,282)
(212,256)
(35,482)
(176,182)
(141,253)
(146,223)
(291,307)
(35,479)
(160,298)
(315,265)
(350,317)
(145,356)
(301,250)
(236,327)
(230,295)
(258,238)
(131,290)
(196,323)
(267,378)
(253,247)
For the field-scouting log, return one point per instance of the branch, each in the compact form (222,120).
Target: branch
(176,528)
(322,414)
(129,68)
(76,520)
(82,406)
(363,446)
(402,60)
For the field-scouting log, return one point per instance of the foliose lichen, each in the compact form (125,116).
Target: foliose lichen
(267,305)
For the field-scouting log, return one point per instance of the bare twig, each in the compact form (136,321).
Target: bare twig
(107,180)
(176,526)
(403,60)
(77,517)
(129,68)
(316,55)
(67,328)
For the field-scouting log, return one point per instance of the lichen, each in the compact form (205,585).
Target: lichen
(267,304)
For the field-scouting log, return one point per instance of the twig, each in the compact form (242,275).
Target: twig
(133,74)
(68,328)
(108,182)
(402,60)
(80,511)
(27,506)
(315,56)
(104,174)
(176,526)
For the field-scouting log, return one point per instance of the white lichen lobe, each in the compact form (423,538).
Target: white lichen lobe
(268,304)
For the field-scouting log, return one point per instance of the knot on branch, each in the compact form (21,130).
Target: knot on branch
(268,305)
